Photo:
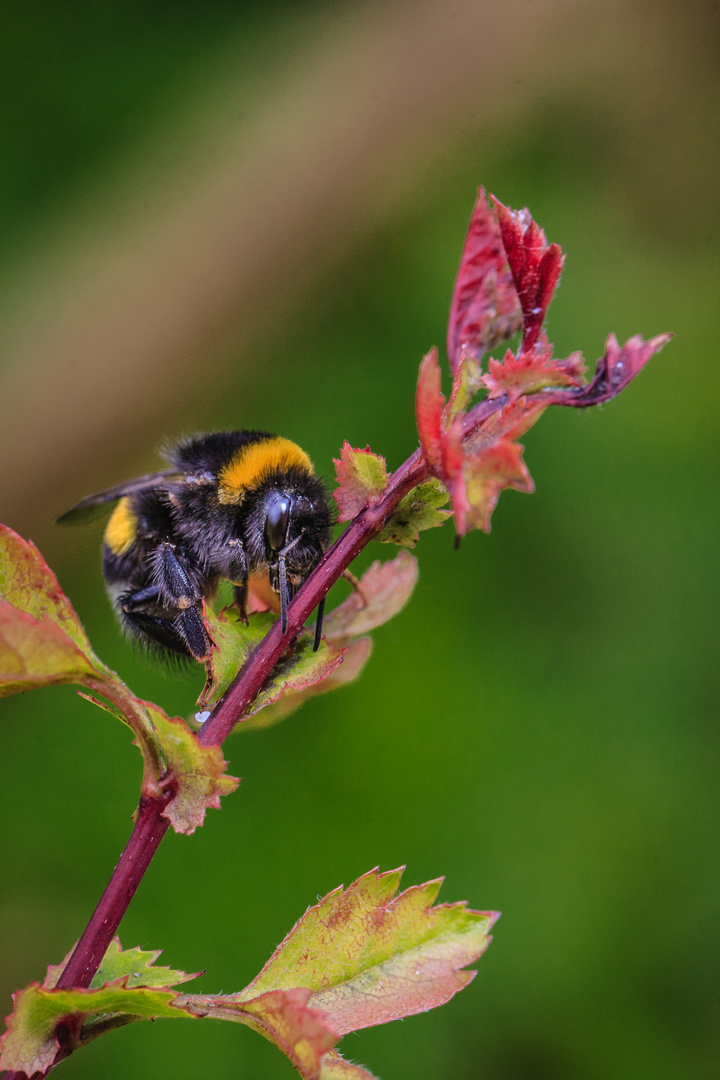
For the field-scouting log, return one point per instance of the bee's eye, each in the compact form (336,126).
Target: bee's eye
(276,522)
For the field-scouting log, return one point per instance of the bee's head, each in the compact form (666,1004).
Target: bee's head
(289,530)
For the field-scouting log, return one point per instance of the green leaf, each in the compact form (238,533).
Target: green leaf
(468,380)
(369,956)
(383,591)
(42,643)
(34,654)
(136,966)
(234,640)
(417,511)
(362,478)
(355,656)
(361,956)
(30,1044)
(297,672)
(28,584)
(197,772)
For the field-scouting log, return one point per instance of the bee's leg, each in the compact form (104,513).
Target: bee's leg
(230,561)
(181,596)
(191,628)
(144,600)
(173,577)
(154,630)
(234,564)
(240,593)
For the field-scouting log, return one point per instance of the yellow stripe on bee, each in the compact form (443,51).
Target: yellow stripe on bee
(253,463)
(120,531)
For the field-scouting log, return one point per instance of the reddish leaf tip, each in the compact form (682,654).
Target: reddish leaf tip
(484,310)
(429,403)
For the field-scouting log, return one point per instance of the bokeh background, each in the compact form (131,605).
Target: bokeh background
(250,214)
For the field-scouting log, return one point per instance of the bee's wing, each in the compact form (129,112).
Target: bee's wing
(94,506)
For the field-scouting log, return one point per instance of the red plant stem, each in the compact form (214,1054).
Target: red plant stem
(148,831)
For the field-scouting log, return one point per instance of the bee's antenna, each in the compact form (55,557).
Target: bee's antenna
(283,592)
(318,624)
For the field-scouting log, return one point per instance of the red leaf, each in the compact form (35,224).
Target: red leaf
(510,422)
(534,264)
(488,473)
(532,370)
(614,370)
(429,403)
(301,1032)
(453,455)
(362,479)
(485,309)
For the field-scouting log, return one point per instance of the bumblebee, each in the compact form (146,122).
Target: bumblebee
(233,505)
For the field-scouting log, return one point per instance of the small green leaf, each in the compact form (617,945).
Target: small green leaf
(30,1045)
(417,511)
(42,643)
(468,380)
(355,656)
(234,640)
(362,478)
(139,967)
(383,591)
(134,965)
(298,671)
(197,771)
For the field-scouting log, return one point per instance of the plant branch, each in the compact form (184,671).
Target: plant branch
(149,829)
(150,825)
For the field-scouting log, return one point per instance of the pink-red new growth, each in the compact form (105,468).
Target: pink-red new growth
(508,274)
(485,309)
(535,266)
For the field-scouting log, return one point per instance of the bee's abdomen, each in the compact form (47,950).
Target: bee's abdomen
(121,529)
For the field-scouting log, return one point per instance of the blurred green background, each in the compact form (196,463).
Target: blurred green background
(250,215)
